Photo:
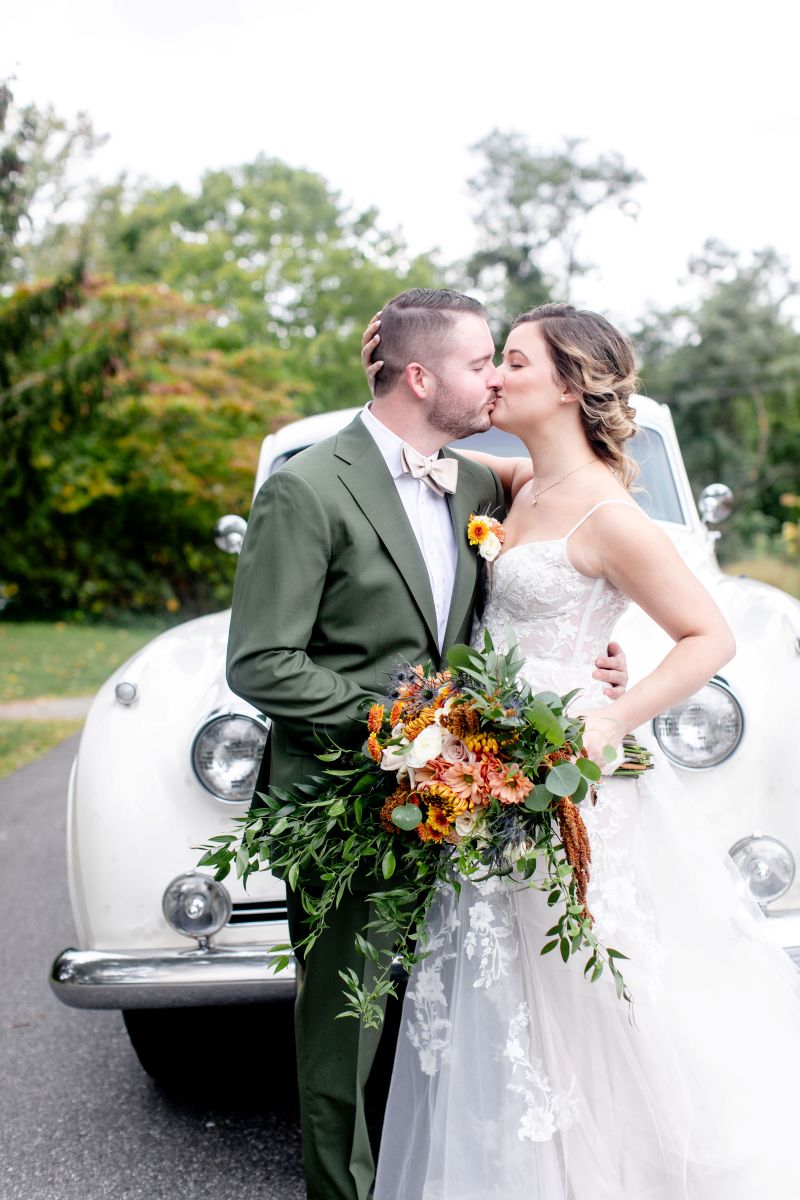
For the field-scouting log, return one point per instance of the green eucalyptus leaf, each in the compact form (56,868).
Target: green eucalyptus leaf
(589,769)
(538,799)
(580,791)
(544,721)
(406,816)
(388,864)
(460,657)
(562,779)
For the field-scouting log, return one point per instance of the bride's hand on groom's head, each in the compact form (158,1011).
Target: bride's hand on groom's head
(369,340)
(612,670)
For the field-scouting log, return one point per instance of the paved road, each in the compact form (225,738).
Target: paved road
(47,708)
(78,1117)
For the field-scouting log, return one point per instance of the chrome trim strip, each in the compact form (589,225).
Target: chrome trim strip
(259,912)
(794,954)
(169,978)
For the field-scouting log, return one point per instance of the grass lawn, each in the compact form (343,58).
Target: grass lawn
(39,659)
(22,742)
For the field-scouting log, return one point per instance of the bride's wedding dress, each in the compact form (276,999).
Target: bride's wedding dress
(515,1076)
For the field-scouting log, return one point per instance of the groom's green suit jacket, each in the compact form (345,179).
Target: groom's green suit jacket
(332,590)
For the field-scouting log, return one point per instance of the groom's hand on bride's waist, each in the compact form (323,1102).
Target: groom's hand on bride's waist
(612,670)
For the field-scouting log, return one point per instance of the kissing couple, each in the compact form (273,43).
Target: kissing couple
(513,1076)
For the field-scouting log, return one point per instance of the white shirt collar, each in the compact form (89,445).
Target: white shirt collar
(388,442)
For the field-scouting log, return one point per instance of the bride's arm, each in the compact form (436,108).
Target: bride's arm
(639,559)
(512,472)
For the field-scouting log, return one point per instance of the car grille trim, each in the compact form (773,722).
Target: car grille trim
(259,912)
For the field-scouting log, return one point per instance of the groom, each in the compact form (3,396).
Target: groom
(356,557)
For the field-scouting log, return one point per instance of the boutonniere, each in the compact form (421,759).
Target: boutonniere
(487,534)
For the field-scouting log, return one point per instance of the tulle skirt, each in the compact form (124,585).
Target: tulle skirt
(515,1076)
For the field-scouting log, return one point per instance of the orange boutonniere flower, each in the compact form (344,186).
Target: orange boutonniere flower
(487,534)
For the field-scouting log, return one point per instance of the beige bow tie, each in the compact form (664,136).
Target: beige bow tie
(439,474)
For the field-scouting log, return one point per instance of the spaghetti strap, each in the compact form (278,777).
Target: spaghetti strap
(594,508)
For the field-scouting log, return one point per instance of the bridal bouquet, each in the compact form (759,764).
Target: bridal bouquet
(464,774)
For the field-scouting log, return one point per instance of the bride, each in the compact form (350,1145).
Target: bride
(514,1075)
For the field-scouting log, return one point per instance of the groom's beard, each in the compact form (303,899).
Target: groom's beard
(453,417)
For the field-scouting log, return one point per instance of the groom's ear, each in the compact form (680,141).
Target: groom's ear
(419,380)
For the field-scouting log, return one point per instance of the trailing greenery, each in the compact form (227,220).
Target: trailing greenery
(469,775)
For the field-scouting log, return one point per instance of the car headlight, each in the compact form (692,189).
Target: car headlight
(226,755)
(196,905)
(767,866)
(703,730)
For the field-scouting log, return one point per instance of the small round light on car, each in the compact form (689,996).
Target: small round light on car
(126,693)
(766,864)
(196,905)
(226,755)
(702,731)
(229,533)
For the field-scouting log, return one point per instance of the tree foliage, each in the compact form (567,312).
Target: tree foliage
(127,432)
(531,209)
(272,249)
(38,150)
(729,367)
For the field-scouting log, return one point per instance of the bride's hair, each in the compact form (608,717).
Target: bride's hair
(595,362)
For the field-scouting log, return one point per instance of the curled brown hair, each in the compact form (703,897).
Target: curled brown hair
(595,362)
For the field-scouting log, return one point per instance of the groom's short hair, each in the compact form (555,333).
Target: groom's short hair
(416,327)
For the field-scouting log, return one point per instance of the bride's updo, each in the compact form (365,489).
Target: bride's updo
(595,362)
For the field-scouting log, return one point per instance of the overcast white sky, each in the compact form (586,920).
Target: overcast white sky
(385,100)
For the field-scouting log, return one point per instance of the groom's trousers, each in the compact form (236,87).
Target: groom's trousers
(333,1057)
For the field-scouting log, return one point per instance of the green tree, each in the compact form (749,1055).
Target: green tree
(38,153)
(272,249)
(531,208)
(126,433)
(729,367)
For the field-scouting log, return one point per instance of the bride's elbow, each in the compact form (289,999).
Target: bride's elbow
(726,647)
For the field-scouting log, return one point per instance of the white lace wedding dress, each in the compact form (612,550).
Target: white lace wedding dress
(515,1076)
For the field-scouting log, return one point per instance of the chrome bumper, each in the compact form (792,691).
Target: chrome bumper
(169,978)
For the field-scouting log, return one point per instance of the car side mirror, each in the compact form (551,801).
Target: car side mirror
(229,533)
(715,503)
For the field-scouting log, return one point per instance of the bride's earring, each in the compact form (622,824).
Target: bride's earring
(563,399)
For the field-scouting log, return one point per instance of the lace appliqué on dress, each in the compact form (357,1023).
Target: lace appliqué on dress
(429,1029)
(546,1111)
(613,896)
(489,929)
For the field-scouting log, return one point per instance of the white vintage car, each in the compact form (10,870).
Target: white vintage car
(169,753)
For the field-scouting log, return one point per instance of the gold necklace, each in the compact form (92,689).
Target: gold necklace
(535,495)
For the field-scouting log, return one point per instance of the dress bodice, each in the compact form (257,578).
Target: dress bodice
(562,620)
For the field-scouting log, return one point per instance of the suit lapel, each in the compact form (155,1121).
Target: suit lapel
(364,473)
(468,562)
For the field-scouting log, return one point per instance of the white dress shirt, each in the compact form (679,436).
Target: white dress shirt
(429,516)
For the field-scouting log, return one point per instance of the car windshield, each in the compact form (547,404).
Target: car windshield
(656,490)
